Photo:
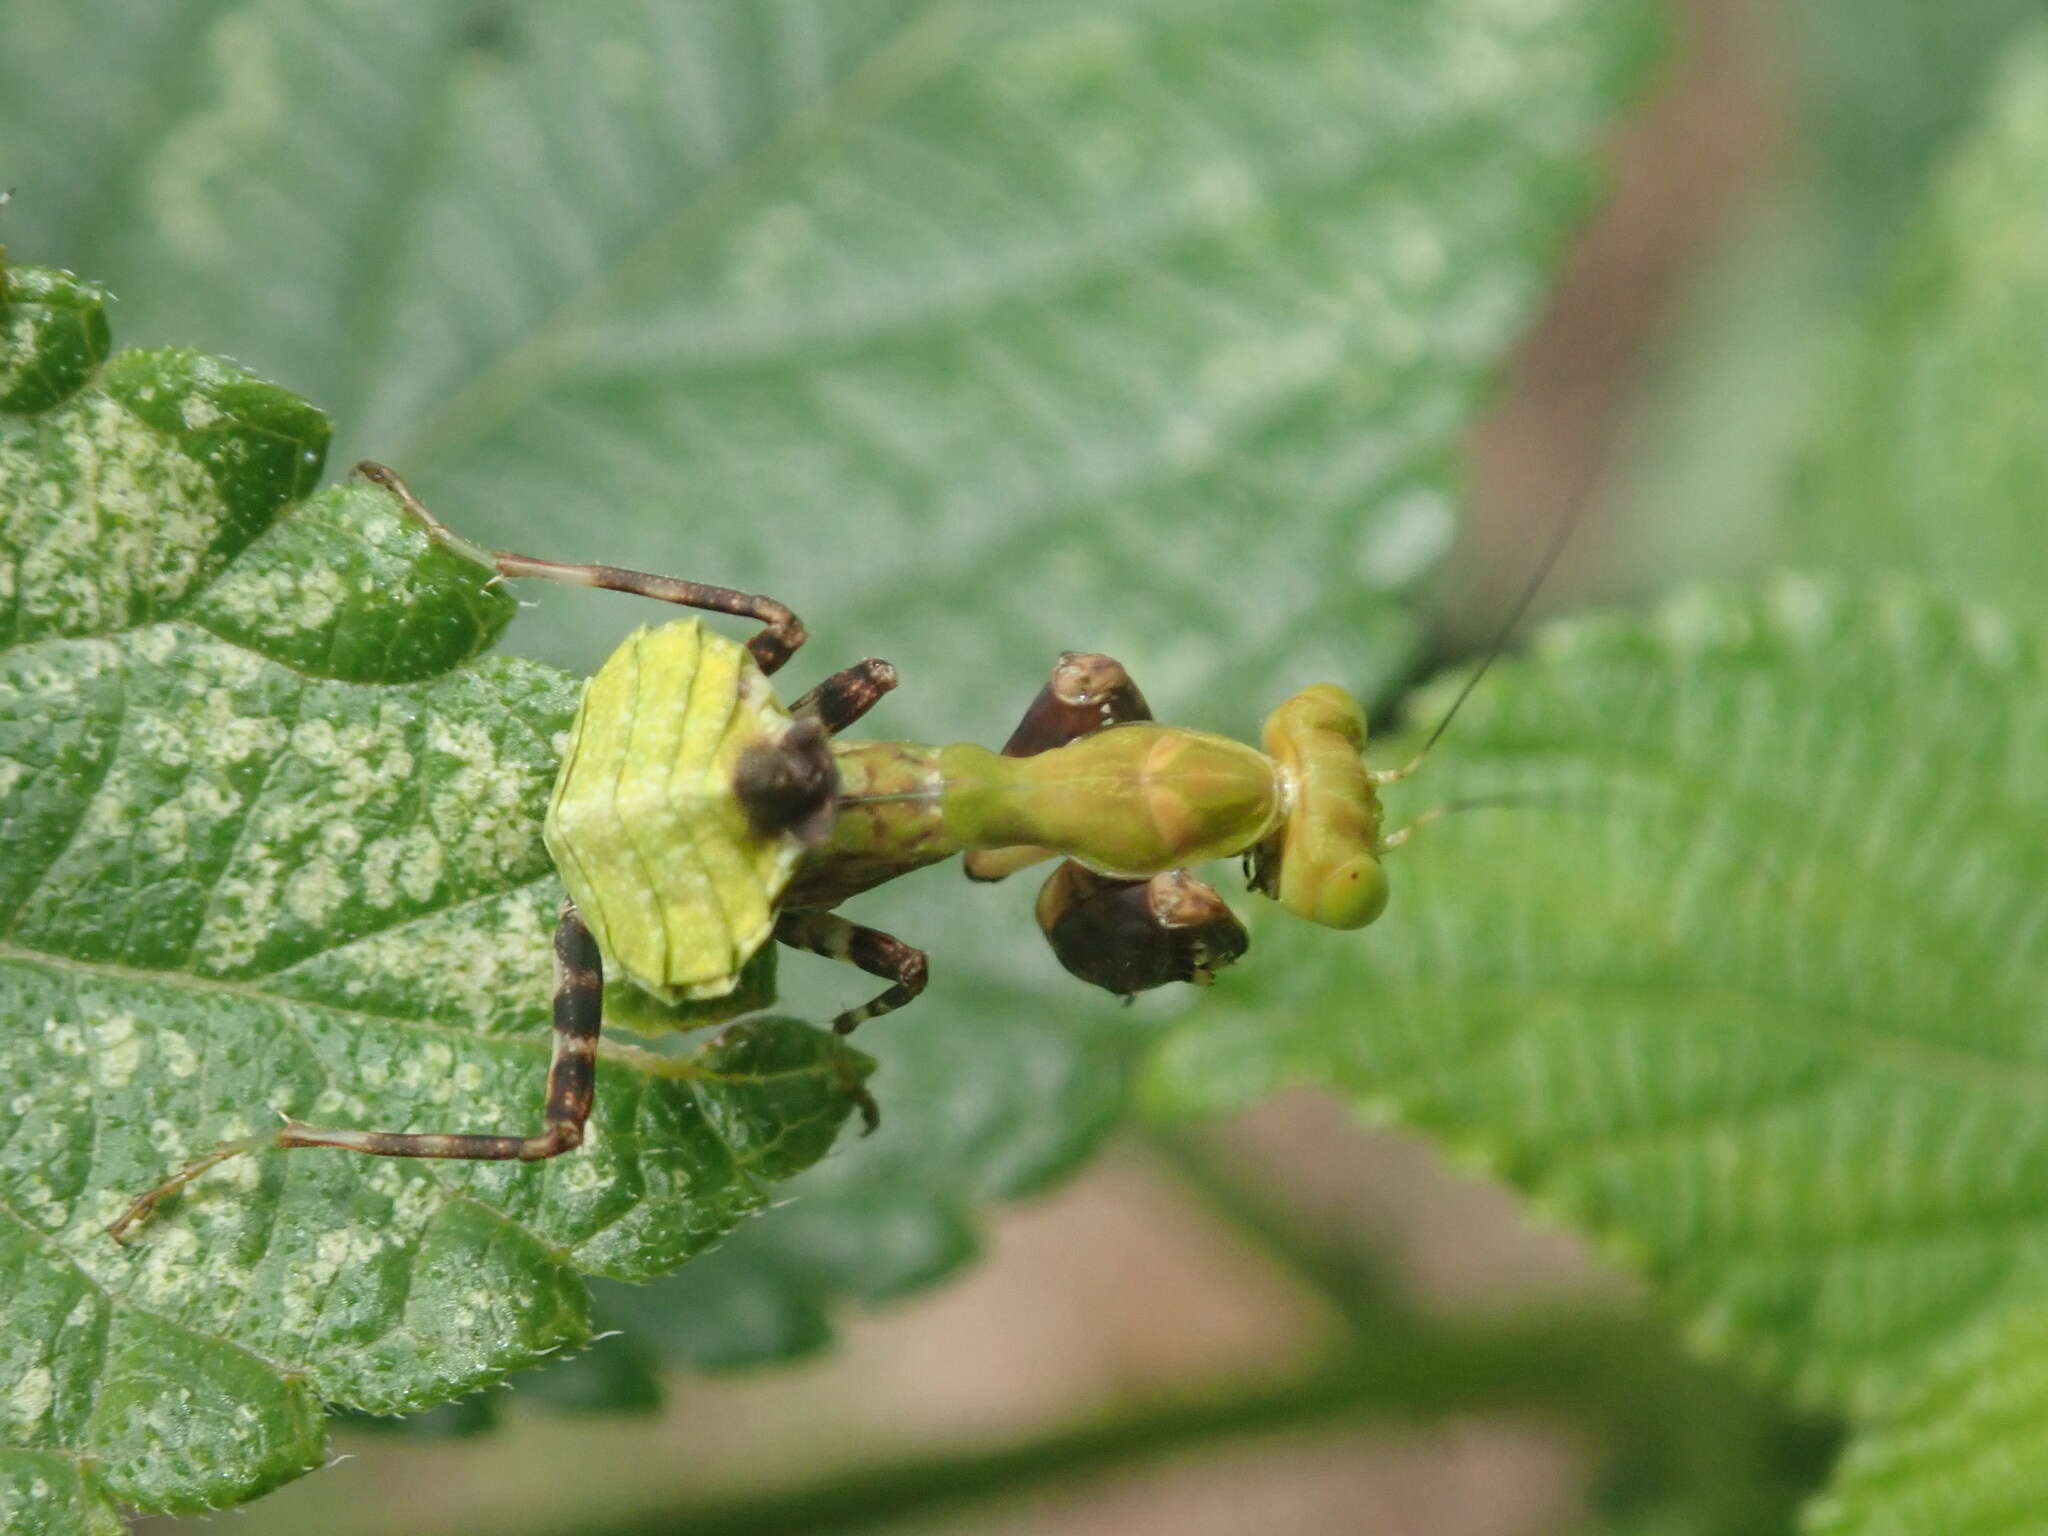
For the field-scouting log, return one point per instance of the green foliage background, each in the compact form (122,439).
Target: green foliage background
(977,332)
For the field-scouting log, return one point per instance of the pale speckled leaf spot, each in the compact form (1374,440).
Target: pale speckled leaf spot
(274,849)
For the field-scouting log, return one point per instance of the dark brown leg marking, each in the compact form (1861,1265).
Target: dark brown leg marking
(846,695)
(1086,692)
(572,1075)
(572,1084)
(781,633)
(1129,936)
(877,953)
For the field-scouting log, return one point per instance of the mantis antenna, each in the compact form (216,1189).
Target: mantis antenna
(1558,540)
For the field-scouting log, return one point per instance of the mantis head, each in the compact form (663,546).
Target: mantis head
(1322,861)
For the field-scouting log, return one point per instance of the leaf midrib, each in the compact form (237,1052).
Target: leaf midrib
(638,1058)
(1052,270)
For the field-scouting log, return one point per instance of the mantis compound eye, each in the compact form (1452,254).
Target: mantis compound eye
(1349,894)
(1322,863)
(1128,936)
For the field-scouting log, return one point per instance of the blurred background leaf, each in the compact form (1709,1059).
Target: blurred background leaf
(1958,1453)
(1885,89)
(1933,454)
(1171,302)
(1750,992)
(1797,298)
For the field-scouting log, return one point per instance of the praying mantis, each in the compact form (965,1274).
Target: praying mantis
(697,819)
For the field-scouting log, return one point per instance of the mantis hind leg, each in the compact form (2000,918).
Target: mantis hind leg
(877,953)
(781,631)
(571,1088)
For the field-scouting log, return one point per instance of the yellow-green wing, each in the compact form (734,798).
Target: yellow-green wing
(644,826)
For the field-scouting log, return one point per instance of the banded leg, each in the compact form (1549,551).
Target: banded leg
(877,953)
(781,631)
(572,1084)
(846,695)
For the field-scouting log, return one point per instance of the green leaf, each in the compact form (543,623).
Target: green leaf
(1886,86)
(1749,989)
(1820,420)
(858,1232)
(1960,1453)
(273,833)
(937,287)
(56,335)
(1935,453)
(976,331)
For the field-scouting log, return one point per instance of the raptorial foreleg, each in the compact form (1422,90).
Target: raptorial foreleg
(1125,936)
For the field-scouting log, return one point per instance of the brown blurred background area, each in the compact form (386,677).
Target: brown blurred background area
(1124,1285)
